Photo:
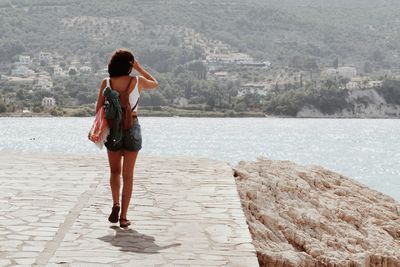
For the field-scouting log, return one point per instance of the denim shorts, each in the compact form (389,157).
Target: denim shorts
(131,139)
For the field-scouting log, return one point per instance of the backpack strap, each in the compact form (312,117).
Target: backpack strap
(124,98)
(107,85)
(137,103)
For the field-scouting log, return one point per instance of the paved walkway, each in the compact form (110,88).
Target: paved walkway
(185,212)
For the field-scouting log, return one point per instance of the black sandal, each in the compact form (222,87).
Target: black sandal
(124,225)
(113,218)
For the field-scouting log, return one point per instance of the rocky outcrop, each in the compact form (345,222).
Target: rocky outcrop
(362,103)
(309,216)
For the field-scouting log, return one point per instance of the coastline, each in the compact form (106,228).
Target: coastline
(201,115)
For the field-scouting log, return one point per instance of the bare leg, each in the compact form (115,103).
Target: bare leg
(114,160)
(127,176)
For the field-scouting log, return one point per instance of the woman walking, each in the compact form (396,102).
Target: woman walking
(125,140)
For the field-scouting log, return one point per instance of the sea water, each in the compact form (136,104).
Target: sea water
(365,149)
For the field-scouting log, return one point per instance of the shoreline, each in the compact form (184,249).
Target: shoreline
(36,115)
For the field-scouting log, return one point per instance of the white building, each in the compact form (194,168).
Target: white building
(346,72)
(45,56)
(375,84)
(253,88)
(240,58)
(25,60)
(359,82)
(44,83)
(22,71)
(85,69)
(232,58)
(59,72)
(221,74)
(181,101)
(352,85)
(48,102)
(102,72)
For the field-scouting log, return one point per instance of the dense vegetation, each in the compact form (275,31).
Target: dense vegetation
(305,35)
(356,31)
(390,91)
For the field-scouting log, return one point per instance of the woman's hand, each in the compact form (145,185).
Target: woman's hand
(136,66)
(146,81)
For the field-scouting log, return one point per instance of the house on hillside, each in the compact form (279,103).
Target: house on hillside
(45,56)
(223,75)
(253,88)
(375,84)
(352,85)
(43,83)
(241,58)
(24,60)
(356,83)
(85,70)
(230,58)
(58,71)
(181,101)
(256,64)
(102,72)
(48,102)
(346,72)
(22,71)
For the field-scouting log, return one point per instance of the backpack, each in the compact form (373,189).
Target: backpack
(117,106)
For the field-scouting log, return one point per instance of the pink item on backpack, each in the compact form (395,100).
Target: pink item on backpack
(100,129)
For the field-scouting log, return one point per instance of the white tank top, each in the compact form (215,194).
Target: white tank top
(133,96)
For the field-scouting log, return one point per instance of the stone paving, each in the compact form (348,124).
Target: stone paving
(185,212)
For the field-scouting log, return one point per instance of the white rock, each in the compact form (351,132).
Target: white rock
(309,216)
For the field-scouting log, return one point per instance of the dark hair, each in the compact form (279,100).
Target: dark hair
(120,63)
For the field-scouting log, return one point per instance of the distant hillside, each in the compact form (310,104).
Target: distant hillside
(268,29)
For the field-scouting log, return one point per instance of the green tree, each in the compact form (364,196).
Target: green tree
(329,84)
(199,69)
(174,41)
(72,72)
(37,108)
(3,107)
(10,48)
(378,56)
(20,94)
(390,91)
(157,99)
(336,63)
(368,68)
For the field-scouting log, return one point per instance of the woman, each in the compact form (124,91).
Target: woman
(119,68)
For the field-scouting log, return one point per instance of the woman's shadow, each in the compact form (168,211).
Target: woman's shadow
(130,240)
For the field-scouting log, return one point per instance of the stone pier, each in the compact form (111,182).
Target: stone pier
(185,212)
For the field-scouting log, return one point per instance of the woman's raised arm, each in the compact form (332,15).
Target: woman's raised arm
(147,82)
